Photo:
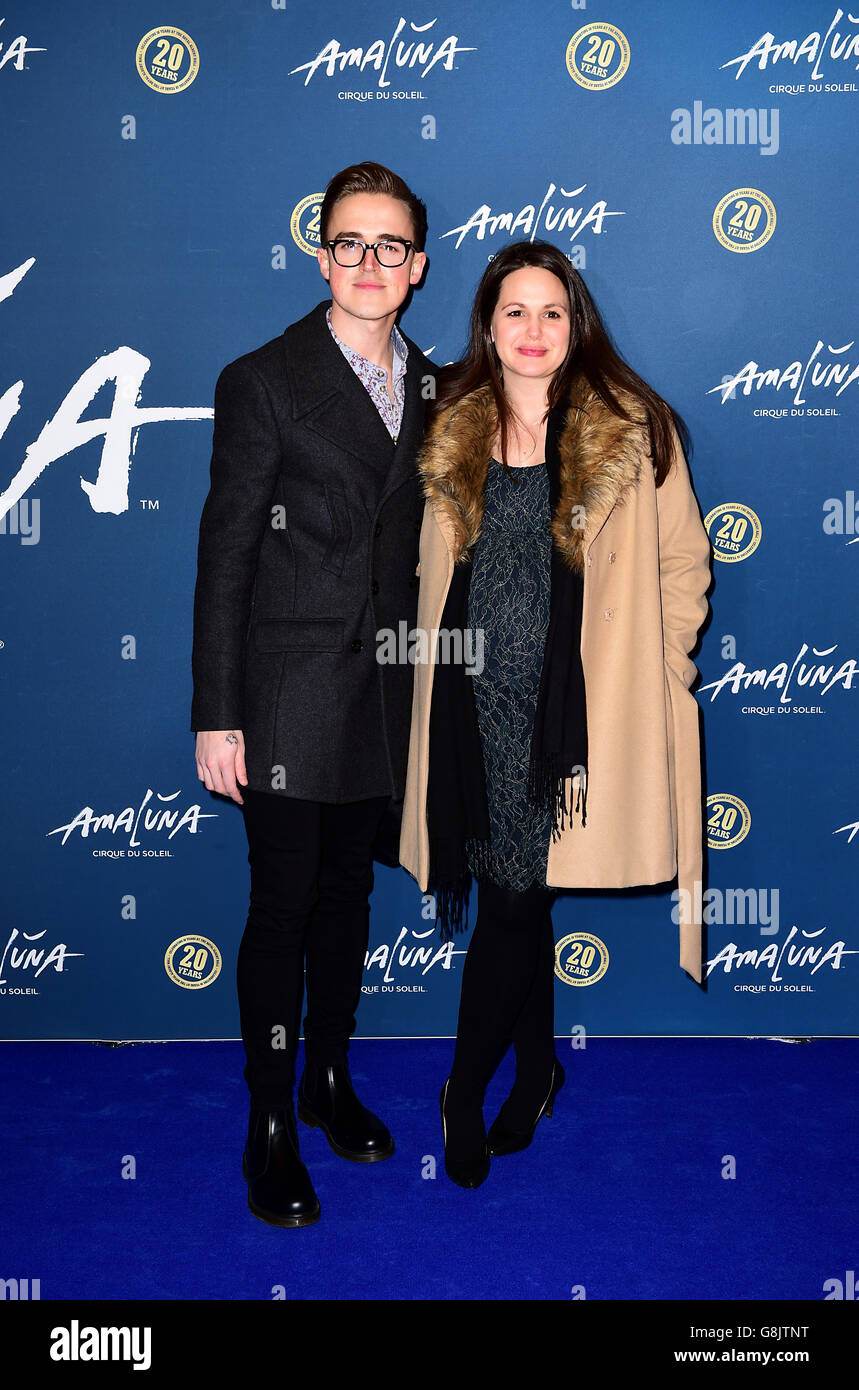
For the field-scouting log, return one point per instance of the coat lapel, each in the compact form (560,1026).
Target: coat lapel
(411,427)
(598,457)
(329,398)
(453,464)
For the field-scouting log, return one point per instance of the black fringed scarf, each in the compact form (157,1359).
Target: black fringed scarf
(457,808)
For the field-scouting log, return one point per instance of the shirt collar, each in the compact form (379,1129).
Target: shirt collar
(398,342)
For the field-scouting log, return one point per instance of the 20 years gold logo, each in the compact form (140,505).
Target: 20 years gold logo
(597,56)
(581,958)
(728,820)
(167,59)
(735,531)
(304,223)
(744,220)
(192,961)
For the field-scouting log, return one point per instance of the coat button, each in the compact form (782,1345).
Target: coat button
(611,557)
(608,614)
(374,587)
(357,645)
(378,529)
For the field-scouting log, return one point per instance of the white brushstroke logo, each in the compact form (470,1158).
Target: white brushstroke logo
(66,431)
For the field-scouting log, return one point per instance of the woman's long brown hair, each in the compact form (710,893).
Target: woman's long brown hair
(591,354)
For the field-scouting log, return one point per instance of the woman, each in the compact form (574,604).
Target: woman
(561,527)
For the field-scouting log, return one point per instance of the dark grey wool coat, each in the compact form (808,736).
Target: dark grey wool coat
(308,547)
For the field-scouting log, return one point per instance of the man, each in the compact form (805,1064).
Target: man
(308,548)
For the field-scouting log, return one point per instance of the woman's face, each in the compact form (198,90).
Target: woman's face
(531,323)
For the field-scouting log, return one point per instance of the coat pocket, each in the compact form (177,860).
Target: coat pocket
(298,634)
(341,531)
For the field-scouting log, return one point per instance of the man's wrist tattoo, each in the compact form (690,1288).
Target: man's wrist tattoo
(231,738)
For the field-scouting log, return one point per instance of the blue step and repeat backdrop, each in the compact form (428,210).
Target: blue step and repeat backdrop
(162,168)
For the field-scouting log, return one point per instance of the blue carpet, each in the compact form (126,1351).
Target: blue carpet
(621,1193)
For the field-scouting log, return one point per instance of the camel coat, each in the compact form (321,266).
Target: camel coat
(645,559)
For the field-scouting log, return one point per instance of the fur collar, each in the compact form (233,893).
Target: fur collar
(600,455)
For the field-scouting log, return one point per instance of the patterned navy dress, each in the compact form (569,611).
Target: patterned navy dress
(509,600)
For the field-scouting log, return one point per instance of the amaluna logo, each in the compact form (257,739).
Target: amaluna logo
(818,678)
(409,54)
(35,958)
(16,51)
(154,819)
(800,950)
(67,430)
(408,952)
(530,220)
(796,375)
(768,51)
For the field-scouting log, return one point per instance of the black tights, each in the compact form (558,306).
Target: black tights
(507,997)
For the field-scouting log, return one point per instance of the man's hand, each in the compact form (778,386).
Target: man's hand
(220,756)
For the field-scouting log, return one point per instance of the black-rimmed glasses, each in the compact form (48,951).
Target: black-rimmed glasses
(347,251)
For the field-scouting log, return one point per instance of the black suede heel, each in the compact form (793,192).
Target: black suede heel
(465,1172)
(502,1140)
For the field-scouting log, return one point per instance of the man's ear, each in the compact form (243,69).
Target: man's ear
(322,258)
(419,260)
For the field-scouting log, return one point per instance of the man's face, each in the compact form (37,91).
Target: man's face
(370,290)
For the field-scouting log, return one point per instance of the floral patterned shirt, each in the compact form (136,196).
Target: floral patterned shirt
(375,378)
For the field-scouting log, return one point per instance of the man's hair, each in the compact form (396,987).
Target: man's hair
(373,178)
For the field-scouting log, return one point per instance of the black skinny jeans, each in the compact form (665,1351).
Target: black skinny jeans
(311,878)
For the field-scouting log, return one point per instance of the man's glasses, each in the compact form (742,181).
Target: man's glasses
(390,253)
